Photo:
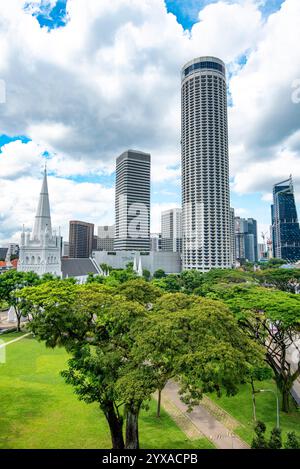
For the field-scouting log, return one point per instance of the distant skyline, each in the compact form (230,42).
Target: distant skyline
(86,80)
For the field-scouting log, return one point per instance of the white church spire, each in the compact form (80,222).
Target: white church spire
(41,252)
(43,218)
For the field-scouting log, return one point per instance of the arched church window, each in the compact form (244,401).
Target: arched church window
(32,260)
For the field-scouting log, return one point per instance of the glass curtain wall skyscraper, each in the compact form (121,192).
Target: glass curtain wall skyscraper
(285,225)
(205,165)
(246,247)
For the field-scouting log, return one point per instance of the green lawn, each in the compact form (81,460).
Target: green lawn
(7,337)
(38,410)
(240,407)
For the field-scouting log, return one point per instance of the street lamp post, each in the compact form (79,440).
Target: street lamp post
(277,403)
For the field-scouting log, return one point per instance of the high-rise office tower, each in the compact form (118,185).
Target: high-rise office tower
(285,225)
(205,166)
(106,238)
(232,238)
(246,239)
(81,237)
(171,230)
(155,242)
(133,201)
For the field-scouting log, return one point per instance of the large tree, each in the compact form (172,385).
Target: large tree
(272,318)
(284,279)
(93,323)
(197,342)
(10,283)
(124,344)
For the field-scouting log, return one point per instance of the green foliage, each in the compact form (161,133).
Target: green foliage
(129,266)
(261,373)
(201,345)
(282,279)
(275,441)
(173,302)
(11,283)
(268,314)
(159,273)
(190,280)
(169,283)
(139,290)
(146,274)
(120,276)
(126,341)
(293,442)
(272,263)
(92,278)
(259,441)
(105,267)
(94,324)
(40,411)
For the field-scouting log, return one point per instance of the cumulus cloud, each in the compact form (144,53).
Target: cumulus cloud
(264,119)
(110,80)
(69,200)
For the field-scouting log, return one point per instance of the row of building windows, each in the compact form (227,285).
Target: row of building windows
(204,65)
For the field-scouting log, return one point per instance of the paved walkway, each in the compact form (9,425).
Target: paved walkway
(14,340)
(205,422)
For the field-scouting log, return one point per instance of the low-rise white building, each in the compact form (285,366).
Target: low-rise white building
(170,262)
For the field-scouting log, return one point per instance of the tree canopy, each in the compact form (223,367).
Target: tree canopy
(126,342)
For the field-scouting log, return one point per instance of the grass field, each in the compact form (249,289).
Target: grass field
(240,407)
(7,337)
(38,410)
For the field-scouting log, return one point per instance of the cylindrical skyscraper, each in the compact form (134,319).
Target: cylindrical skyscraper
(205,165)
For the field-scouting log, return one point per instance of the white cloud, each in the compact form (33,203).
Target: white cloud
(262,175)
(110,80)
(227,30)
(69,200)
(264,121)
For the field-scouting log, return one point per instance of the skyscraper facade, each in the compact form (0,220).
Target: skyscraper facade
(232,237)
(132,202)
(81,237)
(171,230)
(155,242)
(106,238)
(285,225)
(246,247)
(205,166)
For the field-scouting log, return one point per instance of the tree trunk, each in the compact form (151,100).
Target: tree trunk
(158,404)
(253,400)
(18,321)
(132,427)
(285,407)
(115,425)
(285,384)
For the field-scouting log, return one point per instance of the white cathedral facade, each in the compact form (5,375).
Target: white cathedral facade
(40,251)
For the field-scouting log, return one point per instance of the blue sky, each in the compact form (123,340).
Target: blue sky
(186,11)
(97,132)
(52,18)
